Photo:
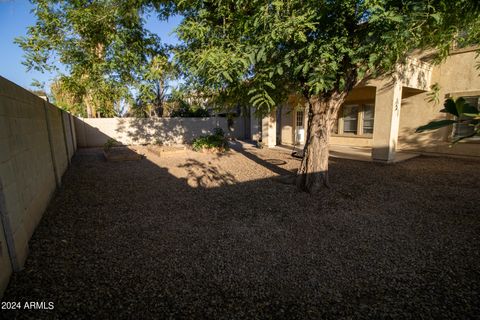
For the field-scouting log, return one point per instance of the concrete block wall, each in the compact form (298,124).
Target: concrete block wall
(36,145)
(95,132)
(69,135)
(5,265)
(240,129)
(58,141)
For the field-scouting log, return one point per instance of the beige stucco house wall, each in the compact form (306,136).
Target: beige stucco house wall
(457,76)
(396,104)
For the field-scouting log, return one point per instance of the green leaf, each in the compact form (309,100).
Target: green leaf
(280,70)
(472,115)
(436,16)
(251,56)
(305,68)
(261,54)
(396,18)
(270,100)
(298,69)
(271,85)
(259,95)
(227,76)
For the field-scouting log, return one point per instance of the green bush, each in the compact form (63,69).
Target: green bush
(213,141)
(109,144)
(217,131)
(186,110)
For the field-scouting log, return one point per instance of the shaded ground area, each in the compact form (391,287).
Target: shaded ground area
(192,235)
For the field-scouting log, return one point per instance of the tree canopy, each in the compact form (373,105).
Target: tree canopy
(318,49)
(311,47)
(103,45)
(244,52)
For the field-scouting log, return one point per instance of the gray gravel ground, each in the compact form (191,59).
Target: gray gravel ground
(191,235)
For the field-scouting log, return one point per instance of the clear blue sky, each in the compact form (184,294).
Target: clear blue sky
(16,16)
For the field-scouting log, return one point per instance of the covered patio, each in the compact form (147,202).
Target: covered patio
(360,153)
(374,131)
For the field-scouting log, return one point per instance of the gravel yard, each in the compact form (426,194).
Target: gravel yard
(191,235)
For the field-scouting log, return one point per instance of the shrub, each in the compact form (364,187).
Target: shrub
(189,111)
(217,131)
(213,141)
(109,144)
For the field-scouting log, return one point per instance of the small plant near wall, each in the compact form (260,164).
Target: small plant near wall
(212,142)
(109,144)
(120,153)
(260,144)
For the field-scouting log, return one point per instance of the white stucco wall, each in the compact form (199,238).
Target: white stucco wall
(95,132)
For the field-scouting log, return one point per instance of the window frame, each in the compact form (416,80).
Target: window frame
(364,108)
(451,133)
(302,118)
(360,116)
(357,119)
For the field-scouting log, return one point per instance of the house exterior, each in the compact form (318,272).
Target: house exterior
(384,113)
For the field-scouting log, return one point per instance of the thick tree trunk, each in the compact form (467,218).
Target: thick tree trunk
(90,106)
(89,112)
(90,102)
(312,175)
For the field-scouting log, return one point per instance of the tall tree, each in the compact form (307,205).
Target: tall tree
(102,44)
(154,88)
(318,49)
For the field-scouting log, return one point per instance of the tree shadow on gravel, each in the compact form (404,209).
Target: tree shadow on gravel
(270,164)
(206,175)
(124,240)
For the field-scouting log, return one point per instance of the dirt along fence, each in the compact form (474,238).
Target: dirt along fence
(37,142)
(95,132)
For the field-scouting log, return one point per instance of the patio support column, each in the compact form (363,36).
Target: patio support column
(388,101)
(254,126)
(269,130)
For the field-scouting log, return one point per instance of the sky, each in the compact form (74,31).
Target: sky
(16,16)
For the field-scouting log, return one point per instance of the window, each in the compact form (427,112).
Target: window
(299,120)
(355,119)
(350,119)
(368,119)
(460,129)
